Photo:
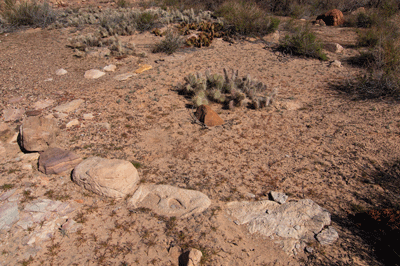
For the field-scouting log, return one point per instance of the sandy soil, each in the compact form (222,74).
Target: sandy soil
(315,142)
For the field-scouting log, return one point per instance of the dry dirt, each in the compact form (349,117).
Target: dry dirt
(315,142)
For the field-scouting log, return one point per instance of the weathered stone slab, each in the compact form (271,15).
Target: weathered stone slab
(69,107)
(12,114)
(58,161)
(111,178)
(170,201)
(8,215)
(278,197)
(38,133)
(295,222)
(42,104)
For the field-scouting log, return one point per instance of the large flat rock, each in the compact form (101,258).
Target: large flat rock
(58,161)
(107,177)
(170,201)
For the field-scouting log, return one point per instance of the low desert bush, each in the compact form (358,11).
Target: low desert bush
(169,45)
(247,18)
(302,42)
(28,13)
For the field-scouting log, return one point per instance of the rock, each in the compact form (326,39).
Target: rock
(72,123)
(16,99)
(105,125)
(333,47)
(94,74)
(278,197)
(111,178)
(335,63)
(3,153)
(110,68)
(169,201)
(38,133)
(26,166)
(71,226)
(5,132)
(58,115)
(207,116)
(7,194)
(33,112)
(174,253)
(29,157)
(123,77)
(61,72)
(192,257)
(12,114)
(8,215)
(88,116)
(293,223)
(42,104)
(333,17)
(143,68)
(57,161)
(69,107)
(327,236)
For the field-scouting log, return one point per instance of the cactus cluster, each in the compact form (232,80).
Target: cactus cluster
(227,89)
(209,31)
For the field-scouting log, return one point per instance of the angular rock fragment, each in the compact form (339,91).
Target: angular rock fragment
(69,107)
(38,133)
(57,161)
(278,197)
(12,114)
(94,74)
(328,236)
(206,115)
(111,178)
(8,215)
(169,201)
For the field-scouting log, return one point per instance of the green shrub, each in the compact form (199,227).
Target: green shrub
(366,20)
(28,13)
(123,3)
(247,18)
(145,21)
(169,45)
(303,42)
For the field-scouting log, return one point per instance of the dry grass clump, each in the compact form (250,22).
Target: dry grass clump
(302,42)
(247,18)
(170,44)
(229,90)
(28,13)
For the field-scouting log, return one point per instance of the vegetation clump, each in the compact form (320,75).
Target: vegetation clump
(302,42)
(227,89)
(169,45)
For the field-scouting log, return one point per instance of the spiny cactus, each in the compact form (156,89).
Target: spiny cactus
(228,89)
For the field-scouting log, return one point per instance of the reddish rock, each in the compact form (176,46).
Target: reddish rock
(57,161)
(333,17)
(207,116)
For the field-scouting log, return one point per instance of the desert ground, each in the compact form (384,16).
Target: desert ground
(314,142)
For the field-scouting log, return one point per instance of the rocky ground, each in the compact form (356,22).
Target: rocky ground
(314,143)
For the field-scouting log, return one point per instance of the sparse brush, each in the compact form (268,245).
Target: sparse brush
(227,89)
(28,13)
(169,45)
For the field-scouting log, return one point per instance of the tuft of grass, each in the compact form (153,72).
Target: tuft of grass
(7,187)
(169,45)
(303,42)
(28,13)
(136,164)
(247,18)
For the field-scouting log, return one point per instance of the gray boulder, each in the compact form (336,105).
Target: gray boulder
(111,178)
(328,236)
(169,201)
(38,133)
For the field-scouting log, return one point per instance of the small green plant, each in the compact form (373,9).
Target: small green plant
(247,18)
(28,13)
(169,45)
(302,42)
(122,3)
(228,89)
(7,187)
(136,164)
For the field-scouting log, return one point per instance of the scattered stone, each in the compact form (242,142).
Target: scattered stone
(71,226)
(328,236)
(105,125)
(16,99)
(42,104)
(12,114)
(33,112)
(72,123)
(49,79)
(58,115)
(69,107)
(94,74)
(61,72)
(123,77)
(111,178)
(169,201)
(38,133)
(88,116)
(192,257)
(8,215)
(309,249)
(333,17)
(278,197)
(110,68)
(174,253)
(57,161)
(206,115)
(293,224)
(29,157)
(335,63)
(143,68)
(333,47)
